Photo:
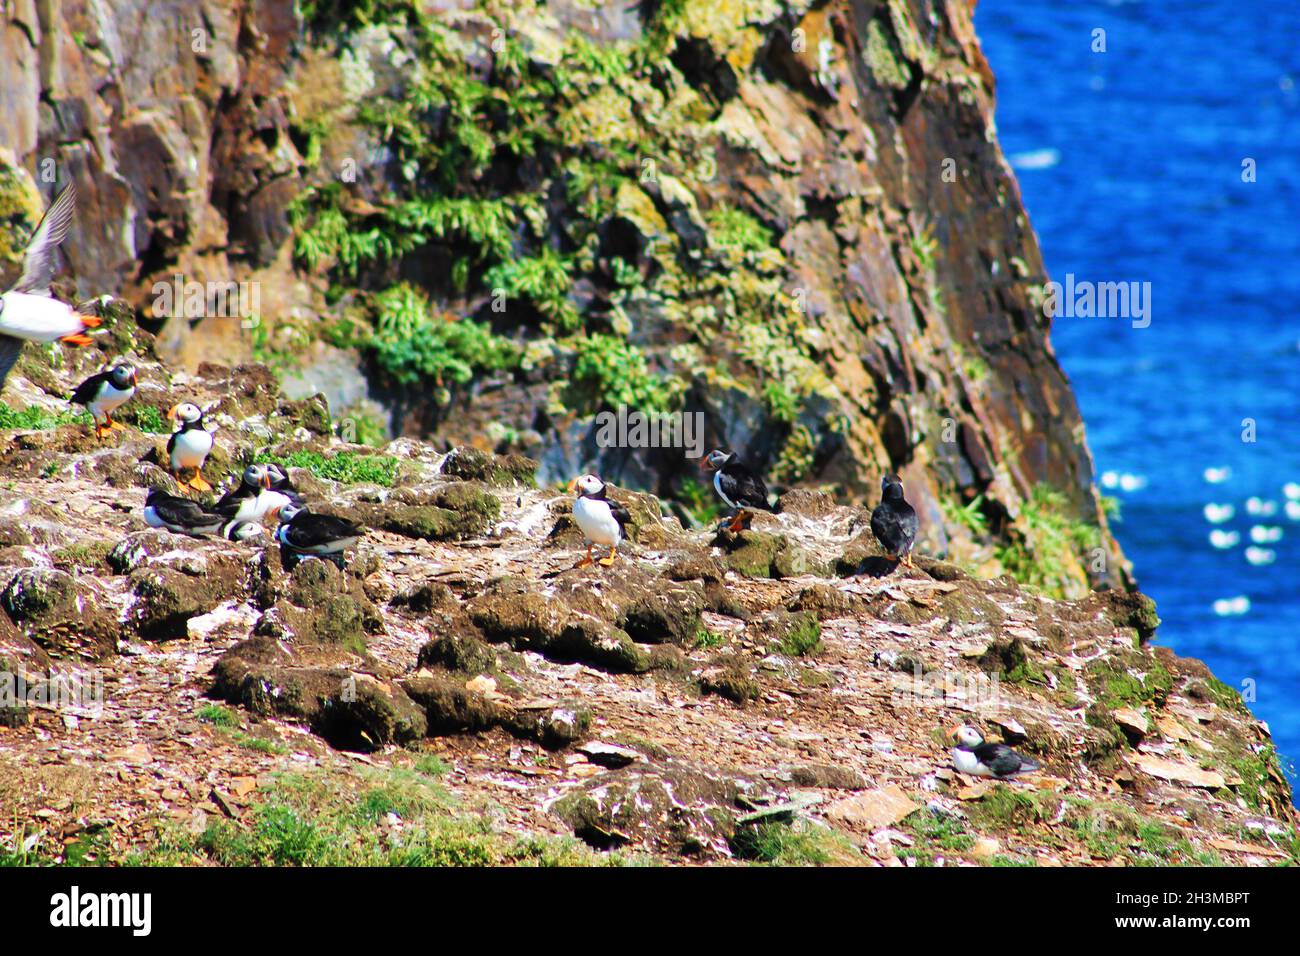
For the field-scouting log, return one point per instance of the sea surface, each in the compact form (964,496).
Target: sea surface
(1130,163)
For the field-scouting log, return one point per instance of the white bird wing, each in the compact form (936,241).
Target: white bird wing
(38,264)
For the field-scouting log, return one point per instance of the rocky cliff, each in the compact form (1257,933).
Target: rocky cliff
(485,224)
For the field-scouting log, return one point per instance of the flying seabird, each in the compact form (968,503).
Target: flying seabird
(28,312)
(304,532)
(180,515)
(738,486)
(973,756)
(602,520)
(189,445)
(104,392)
(893,522)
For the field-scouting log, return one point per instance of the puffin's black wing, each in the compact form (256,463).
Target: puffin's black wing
(231,500)
(310,530)
(1002,760)
(894,525)
(183,512)
(620,513)
(88,390)
(10,349)
(744,487)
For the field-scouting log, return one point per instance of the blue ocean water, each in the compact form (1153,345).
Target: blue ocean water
(1130,163)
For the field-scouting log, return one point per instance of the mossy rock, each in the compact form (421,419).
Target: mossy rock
(458,652)
(594,642)
(450,708)
(166,599)
(826,602)
(470,464)
(311,413)
(60,613)
(1127,609)
(1128,680)
(509,612)
(750,553)
(731,680)
(1012,662)
(795,633)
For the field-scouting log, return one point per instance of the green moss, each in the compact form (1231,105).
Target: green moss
(935,834)
(609,371)
(32,418)
(217,715)
(737,229)
(1004,808)
(885,62)
(1046,546)
(797,844)
(802,636)
(346,467)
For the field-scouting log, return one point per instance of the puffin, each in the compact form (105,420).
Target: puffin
(738,486)
(255,497)
(180,515)
(893,522)
(973,756)
(28,312)
(602,520)
(236,530)
(280,482)
(305,533)
(105,392)
(189,445)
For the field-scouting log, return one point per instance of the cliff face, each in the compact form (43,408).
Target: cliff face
(793,218)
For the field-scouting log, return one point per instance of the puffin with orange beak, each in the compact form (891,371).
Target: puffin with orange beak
(28,312)
(602,520)
(979,759)
(737,485)
(256,496)
(189,445)
(105,392)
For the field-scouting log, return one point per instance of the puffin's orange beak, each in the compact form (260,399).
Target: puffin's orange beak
(133,379)
(573,485)
(171,412)
(952,731)
(266,480)
(704,463)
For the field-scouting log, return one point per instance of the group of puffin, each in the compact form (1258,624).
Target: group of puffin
(29,312)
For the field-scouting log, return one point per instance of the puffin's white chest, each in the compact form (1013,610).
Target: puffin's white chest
(109,398)
(191,448)
(967,762)
(717,486)
(260,505)
(38,318)
(597,521)
(151,518)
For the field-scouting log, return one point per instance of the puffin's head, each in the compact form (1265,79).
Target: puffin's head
(257,476)
(276,475)
(714,460)
(967,735)
(185,413)
(122,376)
(243,530)
(586,485)
(289,512)
(891,486)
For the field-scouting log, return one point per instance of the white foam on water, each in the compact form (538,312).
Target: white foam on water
(1217,514)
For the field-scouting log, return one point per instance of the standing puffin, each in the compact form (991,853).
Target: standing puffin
(738,486)
(973,756)
(304,532)
(103,393)
(28,311)
(189,445)
(180,515)
(602,520)
(255,497)
(894,522)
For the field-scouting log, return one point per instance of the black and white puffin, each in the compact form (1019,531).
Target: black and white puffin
(280,482)
(180,515)
(738,486)
(255,497)
(103,393)
(237,530)
(602,520)
(189,445)
(304,532)
(973,756)
(27,311)
(893,521)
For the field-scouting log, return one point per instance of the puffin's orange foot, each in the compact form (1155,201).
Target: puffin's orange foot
(198,484)
(118,425)
(740,522)
(91,321)
(78,338)
(907,561)
(100,431)
(584,563)
(613,553)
